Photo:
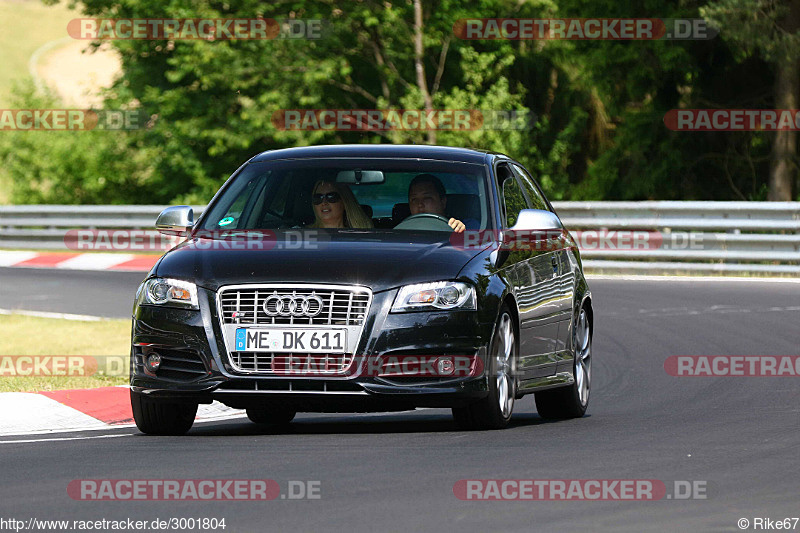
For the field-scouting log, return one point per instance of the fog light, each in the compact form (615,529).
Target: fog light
(153,362)
(445,367)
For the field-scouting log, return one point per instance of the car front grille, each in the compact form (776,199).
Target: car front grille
(329,306)
(288,364)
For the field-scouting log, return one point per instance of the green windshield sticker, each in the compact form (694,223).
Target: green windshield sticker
(225,221)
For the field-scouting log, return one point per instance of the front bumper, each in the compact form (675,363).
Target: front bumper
(196,366)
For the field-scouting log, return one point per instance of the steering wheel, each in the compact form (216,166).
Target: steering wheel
(425,221)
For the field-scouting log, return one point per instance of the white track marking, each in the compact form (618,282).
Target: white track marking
(25,413)
(12,258)
(94,261)
(61,439)
(48,314)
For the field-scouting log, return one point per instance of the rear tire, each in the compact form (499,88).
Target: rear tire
(571,401)
(263,415)
(494,411)
(158,417)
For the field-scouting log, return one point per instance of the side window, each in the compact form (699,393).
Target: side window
(235,210)
(513,198)
(240,209)
(537,201)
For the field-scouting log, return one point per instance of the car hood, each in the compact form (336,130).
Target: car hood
(376,260)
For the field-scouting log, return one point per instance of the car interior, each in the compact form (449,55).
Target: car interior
(460,206)
(285,201)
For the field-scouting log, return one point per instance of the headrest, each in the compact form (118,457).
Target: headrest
(400,212)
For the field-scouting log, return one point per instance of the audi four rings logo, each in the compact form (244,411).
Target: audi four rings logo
(289,305)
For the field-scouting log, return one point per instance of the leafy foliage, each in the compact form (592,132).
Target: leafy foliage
(599,105)
(80,167)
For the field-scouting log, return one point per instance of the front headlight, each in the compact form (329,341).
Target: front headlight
(436,295)
(167,292)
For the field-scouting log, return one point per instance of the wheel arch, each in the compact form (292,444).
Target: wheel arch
(510,302)
(587,303)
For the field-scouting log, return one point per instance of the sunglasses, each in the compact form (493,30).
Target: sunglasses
(331,198)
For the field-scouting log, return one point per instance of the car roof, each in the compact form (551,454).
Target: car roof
(399,151)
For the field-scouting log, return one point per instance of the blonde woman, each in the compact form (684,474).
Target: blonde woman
(336,207)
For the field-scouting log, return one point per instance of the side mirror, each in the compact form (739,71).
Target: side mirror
(175,220)
(537,220)
(536,231)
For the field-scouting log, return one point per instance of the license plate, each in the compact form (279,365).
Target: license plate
(290,340)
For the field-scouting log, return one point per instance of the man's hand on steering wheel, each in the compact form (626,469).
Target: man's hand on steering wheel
(457,225)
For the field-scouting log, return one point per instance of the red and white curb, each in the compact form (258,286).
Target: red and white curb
(78,261)
(28,413)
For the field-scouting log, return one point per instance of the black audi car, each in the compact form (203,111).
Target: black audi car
(365,278)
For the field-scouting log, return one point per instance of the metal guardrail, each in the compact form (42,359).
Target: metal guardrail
(45,226)
(729,237)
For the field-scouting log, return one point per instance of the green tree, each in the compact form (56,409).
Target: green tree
(73,167)
(213,102)
(770,28)
(599,132)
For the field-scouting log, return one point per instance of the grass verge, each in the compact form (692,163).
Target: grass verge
(24,27)
(26,335)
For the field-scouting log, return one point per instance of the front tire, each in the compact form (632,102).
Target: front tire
(494,411)
(158,417)
(572,401)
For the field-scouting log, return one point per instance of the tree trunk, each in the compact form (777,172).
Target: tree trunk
(782,168)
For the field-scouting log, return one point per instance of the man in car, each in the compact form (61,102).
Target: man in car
(426,194)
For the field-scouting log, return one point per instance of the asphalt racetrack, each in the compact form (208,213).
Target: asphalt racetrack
(736,438)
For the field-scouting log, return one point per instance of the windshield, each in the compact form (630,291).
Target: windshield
(363,194)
